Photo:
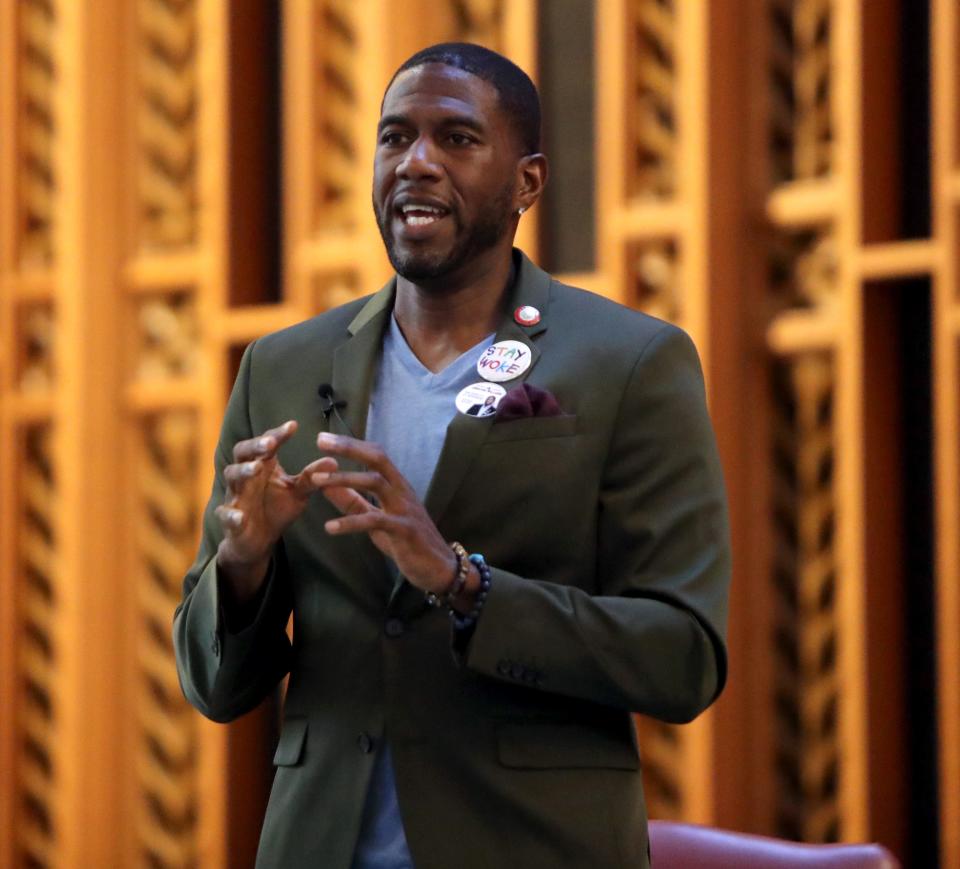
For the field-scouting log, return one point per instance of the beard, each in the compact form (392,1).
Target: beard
(490,226)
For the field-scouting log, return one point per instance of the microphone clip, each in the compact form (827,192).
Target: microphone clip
(331,405)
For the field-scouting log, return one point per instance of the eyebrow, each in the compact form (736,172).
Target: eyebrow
(452,121)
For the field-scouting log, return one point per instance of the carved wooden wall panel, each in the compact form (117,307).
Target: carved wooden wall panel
(805,574)
(649,98)
(803,284)
(30,603)
(652,48)
(167,123)
(35,774)
(338,182)
(742,192)
(328,230)
(174,292)
(806,284)
(478,21)
(167,766)
(800,112)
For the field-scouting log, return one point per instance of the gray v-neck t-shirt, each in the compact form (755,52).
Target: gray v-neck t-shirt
(410,408)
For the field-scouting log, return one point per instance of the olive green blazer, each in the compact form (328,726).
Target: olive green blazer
(606,532)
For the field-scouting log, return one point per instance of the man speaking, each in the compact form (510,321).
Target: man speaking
(479,600)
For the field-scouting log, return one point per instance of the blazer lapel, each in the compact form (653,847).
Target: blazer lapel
(466,434)
(354,363)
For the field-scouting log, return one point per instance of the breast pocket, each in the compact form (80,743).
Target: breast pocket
(533,427)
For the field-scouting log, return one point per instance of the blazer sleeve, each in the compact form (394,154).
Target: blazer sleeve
(224,672)
(652,640)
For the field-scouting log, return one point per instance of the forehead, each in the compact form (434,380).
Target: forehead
(436,87)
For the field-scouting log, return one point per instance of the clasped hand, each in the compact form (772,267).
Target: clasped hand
(262,499)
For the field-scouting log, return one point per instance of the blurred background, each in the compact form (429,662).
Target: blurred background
(780,177)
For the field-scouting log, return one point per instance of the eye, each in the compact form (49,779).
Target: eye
(391,137)
(461,139)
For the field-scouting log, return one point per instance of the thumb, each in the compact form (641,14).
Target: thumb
(304,483)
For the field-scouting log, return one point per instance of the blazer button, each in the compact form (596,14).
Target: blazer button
(503,667)
(365,742)
(393,628)
(518,671)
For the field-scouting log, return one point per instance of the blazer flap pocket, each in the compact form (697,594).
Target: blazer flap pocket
(533,427)
(290,747)
(563,746)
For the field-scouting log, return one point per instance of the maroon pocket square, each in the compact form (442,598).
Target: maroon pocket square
(527,402)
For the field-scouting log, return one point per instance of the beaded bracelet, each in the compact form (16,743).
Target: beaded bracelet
(459,580)
(461,623)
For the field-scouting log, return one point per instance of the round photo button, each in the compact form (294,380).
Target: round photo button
(480,399)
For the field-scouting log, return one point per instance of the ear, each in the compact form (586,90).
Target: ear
(532,177)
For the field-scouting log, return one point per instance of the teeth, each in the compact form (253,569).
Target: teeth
(419,221)
(406,209)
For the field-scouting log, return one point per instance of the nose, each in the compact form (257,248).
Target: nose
(420,161)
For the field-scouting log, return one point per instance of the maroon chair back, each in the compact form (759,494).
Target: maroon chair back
(687,846)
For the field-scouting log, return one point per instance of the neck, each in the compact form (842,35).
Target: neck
(442,320)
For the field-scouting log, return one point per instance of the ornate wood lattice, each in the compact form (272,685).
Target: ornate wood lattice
(167,759)
(167,122)
(662,72)
(36,360)
(168,345)
(478,21)
(652,32)
(36,771)
(801,124)
(334,289)
(803,269)
(646,248)
(657,289)
(334,104)
(804,287)
(175,204)
(37,72)
(805,578)
(30,604)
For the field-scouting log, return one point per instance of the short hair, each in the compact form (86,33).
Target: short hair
(517,94)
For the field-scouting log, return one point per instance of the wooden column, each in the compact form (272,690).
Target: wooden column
(93,596)
(946,194)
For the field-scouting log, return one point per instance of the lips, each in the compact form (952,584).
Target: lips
(418,217)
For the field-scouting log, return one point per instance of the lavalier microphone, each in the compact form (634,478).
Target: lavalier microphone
(330,404)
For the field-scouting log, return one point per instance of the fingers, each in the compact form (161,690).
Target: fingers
(237,476)
(372,482)
(231,518)
(326,465)
(348,500)
(303,482)
(265,445)
(372,520)
(368,454)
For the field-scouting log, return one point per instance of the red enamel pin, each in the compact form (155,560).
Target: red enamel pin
(527,315)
